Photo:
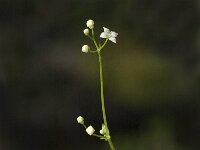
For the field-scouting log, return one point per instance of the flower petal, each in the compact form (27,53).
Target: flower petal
(113,34)
(106,29)
(113,39)
(104,35)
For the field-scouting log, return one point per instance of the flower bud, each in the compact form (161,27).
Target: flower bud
(86,32)
(90,24)
(90,130)
(80,120)
(103,130)
(85,48)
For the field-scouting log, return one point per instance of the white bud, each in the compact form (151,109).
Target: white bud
(90,130)
(85,48)
(90,24)
(86,32)
(80,120)
(103,130)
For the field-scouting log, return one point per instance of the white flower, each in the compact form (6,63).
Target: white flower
(90,130)
(111,35)
(90,24)
(86,32)
(85,48)
(103,129)
(80,120)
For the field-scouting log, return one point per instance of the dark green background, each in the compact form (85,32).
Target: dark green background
(152,74)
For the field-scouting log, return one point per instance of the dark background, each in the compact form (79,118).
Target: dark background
(152,74)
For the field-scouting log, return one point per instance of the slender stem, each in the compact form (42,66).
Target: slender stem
(102,100)
(103,44)
(84,126)
(99,136)
(111,144)
(93,38)
(91,51)
(102,92)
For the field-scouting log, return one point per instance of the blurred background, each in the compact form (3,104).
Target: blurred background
(152,74)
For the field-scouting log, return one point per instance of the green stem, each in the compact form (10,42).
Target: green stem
(111,144)
(103,44)
(99,136)
(93,38)
(102,92)
(102,101)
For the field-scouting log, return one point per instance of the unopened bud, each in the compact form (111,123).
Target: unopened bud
(90,130)
(85,48)
(90,24)
(80,120)
(86,32)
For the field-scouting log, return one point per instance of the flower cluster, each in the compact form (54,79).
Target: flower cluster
(106,34)
(90,130)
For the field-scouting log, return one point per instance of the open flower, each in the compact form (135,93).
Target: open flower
(111,35)
(90,130)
